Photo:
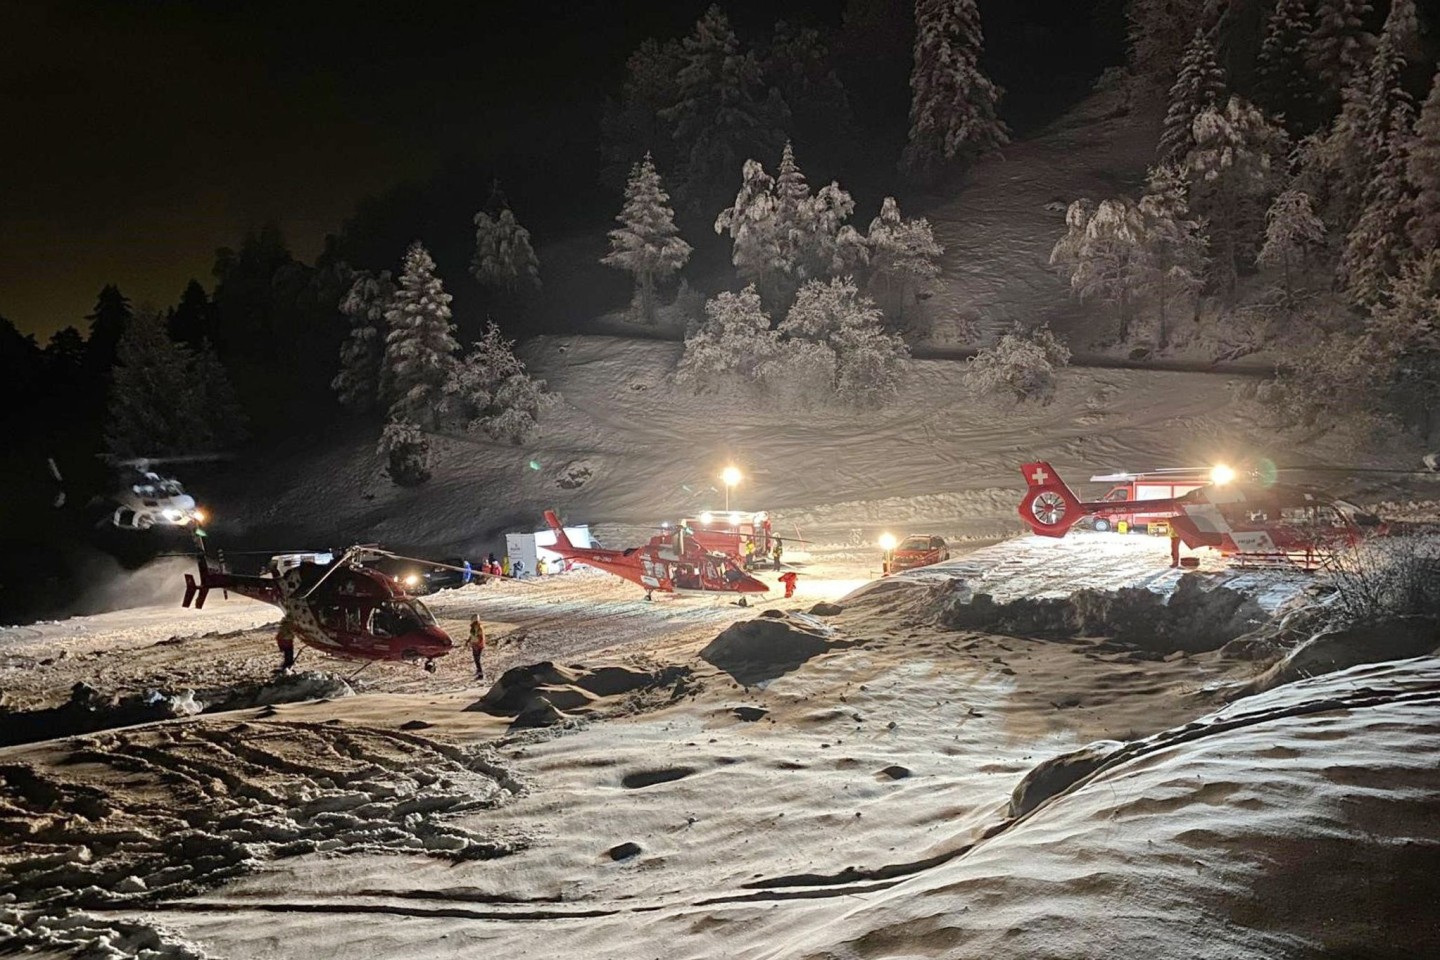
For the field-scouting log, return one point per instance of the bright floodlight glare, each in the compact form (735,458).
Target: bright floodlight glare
(735,519)
(411,580)
(730,475)
(887,541)
(200,516)
(1221,474)
(707,517)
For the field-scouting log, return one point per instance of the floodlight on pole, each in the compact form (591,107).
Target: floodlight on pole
(729,476)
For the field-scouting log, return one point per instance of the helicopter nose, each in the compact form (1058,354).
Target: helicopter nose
(438,640)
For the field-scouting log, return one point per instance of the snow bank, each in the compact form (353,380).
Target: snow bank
(1196,617)
(774,643)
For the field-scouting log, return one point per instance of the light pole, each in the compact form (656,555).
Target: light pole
(729,476)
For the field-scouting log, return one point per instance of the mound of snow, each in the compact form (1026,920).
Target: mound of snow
(773,643)
(1195,617)
(542,694)
(1397,639)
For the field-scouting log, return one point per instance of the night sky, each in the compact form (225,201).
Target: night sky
(142,134)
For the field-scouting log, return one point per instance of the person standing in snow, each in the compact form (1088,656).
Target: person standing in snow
(789,580)
(285,640)
(477,645)
(540,567)
(776,552)
(505,566)
(749,553)
(467,574)
(1174,547)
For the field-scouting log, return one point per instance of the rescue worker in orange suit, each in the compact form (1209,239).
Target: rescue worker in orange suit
(477,645)
(789,580)
(285,640)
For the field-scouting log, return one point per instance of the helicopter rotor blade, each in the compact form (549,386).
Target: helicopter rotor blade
(474,571)
(344,558)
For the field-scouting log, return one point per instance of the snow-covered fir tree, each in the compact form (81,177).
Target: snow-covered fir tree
(798,63)
(420,346)
(490,392)
(1283,83)
(869,360)
(723,113)
(503,258)
(1378,244)
(1173,244)
(734,343)
(904,259)
(1200,85)
(1233,169)
(406,450)
(1159,31)
(647,243)
(953,103)
(1423,174)
(632,125)
(1402,343)
(753,225)
(1339,44)
(1066,253)
(1021,367)
(1291,230)
(357,385)
(164,399)
(1110,260)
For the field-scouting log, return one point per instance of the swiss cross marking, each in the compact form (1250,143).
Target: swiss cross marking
(1040,476)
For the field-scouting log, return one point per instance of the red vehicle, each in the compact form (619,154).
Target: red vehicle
(1258,524)
(727,532)
(916,551)
(341,608)
(672,562)
(1155,485)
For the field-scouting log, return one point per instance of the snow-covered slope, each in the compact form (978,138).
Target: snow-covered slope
(627,447)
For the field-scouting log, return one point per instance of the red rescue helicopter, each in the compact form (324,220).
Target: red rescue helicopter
(341,608)
(1258,524)
(672,562)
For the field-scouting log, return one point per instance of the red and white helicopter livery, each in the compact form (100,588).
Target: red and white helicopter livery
(675,561)
(1259,524)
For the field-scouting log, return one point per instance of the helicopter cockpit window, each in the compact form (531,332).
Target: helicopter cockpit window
(422,612)
(393,618)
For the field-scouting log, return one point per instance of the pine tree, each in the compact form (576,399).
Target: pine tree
(1200,85)
(490,391)
(723,113)
(1377,245)
(1402,342)
(869,360)
(1065,255)
(1159,32)
(798,64)
(1020,365)
(1423,174)
(357,385)
(406,450)
(189,321)
(734,343)
(163,400)
(632,125)
(647,243)
(1339,45)
(953,104)
(1172,245)
(1291,229)
(807,227)
(1110,260)
(753,225)
(1236,162)
(904,259)
(420,347)
(1283,83)
(108,321)
(504,258)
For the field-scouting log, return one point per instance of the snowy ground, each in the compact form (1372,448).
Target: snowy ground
(849,802)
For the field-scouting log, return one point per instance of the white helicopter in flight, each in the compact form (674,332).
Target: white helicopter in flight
(146,499)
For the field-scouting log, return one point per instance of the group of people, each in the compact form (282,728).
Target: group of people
(754,555)
(503,567)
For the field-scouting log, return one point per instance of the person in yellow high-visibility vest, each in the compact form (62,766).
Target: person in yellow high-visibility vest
(477,645)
